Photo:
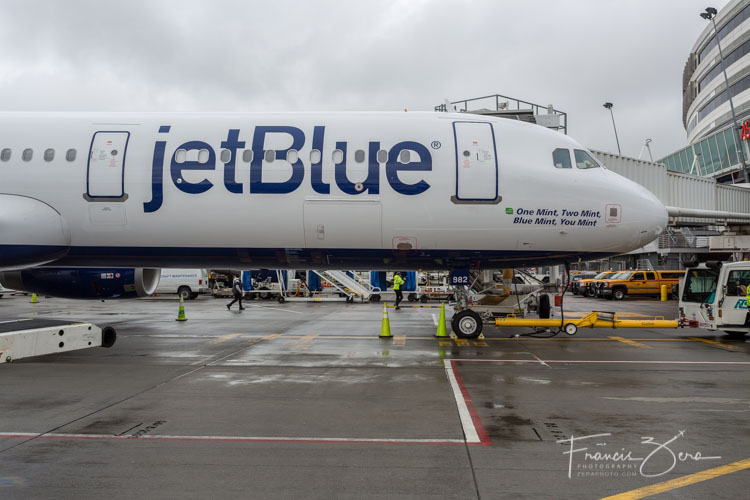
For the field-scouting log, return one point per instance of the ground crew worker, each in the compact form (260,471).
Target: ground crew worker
(397,282)
(237,292)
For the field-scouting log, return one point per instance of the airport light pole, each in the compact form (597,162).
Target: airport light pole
(608,105)
(710,15)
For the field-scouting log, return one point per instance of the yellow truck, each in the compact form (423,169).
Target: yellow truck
(639,282)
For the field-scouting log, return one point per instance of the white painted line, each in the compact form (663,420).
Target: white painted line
(610,361)
(463,411)
(276,308)
(435,319)
(156,437)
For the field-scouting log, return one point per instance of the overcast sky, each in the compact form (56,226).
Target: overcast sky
(227,55)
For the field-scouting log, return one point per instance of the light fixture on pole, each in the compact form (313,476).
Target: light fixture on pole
(608,105)
(709,15)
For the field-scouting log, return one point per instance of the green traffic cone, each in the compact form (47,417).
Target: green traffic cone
(385,328)
(441,323)
(34,300)
(181,314)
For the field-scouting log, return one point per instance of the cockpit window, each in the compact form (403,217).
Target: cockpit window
(561,158)
(584,160)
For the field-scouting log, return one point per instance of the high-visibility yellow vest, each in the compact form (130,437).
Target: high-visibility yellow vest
(398,281)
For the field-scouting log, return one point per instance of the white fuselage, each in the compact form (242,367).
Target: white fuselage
(198,190)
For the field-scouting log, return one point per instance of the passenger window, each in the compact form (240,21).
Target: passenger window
(180,156)
(650,276)
(637,277)
(70,155)
(359,156)
(315,156)
(225,156)
(584,160)
(49,154)
(5,154)
(292,156)
(27,154)
(247,155)
(203,156)
(404,156)
(561,158)
(382,156)
(338,156)
(270,155)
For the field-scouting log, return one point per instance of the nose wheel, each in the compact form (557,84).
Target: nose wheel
(467,324)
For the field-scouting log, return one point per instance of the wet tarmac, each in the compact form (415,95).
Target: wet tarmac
(303,400)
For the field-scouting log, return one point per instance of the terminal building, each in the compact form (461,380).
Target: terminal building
(706,113)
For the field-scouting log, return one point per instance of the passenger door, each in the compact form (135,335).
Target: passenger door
(105,173)
(476,163)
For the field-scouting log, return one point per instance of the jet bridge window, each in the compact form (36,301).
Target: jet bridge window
(5,154)
(561,158)
(27,154)
(70,155)
(584,160)
(49,154)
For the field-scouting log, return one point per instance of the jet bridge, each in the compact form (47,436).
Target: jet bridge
(24,338)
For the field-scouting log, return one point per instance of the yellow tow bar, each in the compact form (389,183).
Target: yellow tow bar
(591,320)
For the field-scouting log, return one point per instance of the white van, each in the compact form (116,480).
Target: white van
(185,282)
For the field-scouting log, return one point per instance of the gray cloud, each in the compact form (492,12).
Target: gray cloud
(229,55)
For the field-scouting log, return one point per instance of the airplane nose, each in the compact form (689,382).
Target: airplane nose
(653,217)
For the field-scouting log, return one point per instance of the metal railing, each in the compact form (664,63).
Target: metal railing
(502,103)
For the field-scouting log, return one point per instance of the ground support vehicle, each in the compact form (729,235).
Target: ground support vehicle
(35,337)
(596,319)
(343,287)
(484,300)
(586,286)
(638,283)
(713,297)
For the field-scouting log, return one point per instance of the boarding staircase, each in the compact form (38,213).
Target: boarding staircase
(345,284)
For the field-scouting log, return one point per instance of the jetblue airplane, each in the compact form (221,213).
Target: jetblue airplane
(361,191)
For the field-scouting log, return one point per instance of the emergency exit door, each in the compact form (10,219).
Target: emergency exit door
(105,175)
(476,163)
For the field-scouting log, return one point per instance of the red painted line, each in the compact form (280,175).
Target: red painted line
(484,438)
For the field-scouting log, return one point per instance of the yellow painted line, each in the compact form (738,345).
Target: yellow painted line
(224,338)
(305,342)
(272,336)
(399,339)
(631,342)
(714,343)
(480,343)
(673,484)
(445,343)
(462,342)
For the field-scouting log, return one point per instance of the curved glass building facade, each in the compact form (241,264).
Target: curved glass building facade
(706,111)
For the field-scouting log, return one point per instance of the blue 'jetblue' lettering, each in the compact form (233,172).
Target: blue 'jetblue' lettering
(157,174)
(233,144)
(176,168)
(394,167)
(256,167)
(316,169)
